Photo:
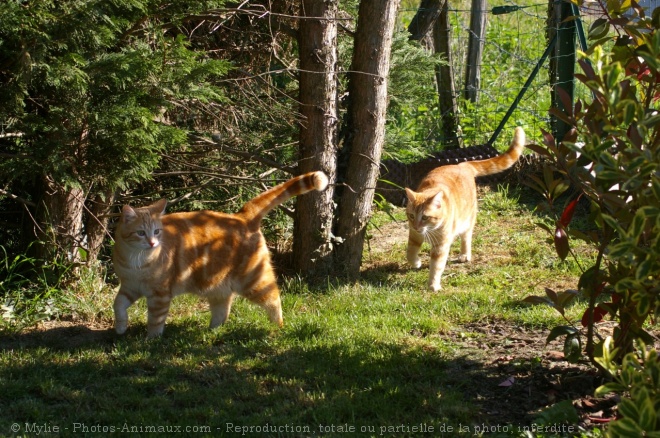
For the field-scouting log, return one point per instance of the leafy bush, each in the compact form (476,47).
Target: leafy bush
(639,376)
(612,157)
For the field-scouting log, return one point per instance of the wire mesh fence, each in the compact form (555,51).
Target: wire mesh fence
(514,76)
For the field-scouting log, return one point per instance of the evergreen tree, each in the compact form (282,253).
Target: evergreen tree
(86,87)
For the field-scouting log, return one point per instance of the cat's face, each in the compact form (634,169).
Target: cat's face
(141,228)
(424,213)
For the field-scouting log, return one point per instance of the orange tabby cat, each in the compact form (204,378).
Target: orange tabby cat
(211,254)
(444,207)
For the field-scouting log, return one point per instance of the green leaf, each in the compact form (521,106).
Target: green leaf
(598,29)
(608,388)
(637,226)
(560,413)
(620,249)
(572,348)
(613,223)
(644,268)
(629,409)
(647,412)
(562,330)
(625,427)
(643,306)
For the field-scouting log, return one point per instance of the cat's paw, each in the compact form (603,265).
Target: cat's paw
(464,258)
(120,327)
(435,287)
(415,263)
(154,332)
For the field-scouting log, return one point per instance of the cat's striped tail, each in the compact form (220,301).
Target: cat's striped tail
(255,210)
(503,161)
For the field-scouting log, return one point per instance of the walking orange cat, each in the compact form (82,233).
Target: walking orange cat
(444,207)
(211,254)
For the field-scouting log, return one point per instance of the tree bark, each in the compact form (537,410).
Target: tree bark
(445,79)
(475,49)
(317,43)
(97,225)
(422,22)
(366,125)
(58,226)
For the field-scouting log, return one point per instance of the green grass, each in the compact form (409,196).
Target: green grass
(379,353)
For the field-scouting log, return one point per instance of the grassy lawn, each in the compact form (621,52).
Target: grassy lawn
(381,357)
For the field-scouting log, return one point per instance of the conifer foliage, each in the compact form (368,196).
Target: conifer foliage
(85,108)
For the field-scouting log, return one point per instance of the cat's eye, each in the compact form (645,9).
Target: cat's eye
(156,231)
(141,233)
(425,218)
(411,216)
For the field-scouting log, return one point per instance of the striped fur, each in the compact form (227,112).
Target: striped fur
(211,254)
(444,207)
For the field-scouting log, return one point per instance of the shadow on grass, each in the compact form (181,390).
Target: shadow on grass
(242,376)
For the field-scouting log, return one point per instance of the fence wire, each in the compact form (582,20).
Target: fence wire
(512,46)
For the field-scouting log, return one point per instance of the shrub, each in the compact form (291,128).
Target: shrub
(612,157)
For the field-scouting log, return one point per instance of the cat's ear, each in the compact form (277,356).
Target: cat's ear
(438,200)
(411,195)
(159,207)
(127,214)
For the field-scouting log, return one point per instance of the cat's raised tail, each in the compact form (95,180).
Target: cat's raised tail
(503,161)
(255,210)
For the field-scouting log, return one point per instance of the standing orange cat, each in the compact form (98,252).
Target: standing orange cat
(444,207)
(211,254)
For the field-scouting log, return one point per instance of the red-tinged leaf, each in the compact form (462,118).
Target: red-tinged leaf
(615,296)
(551,294)
(508,382)
(549,140)
(568,212)
(634,136)
(538,149)
(566,101)
(578,107)
(532,299)
(565,298)
(587,69)
(571,136)
(599,313)
(561,243)
(561,115)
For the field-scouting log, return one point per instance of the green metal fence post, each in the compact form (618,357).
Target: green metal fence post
(565,64)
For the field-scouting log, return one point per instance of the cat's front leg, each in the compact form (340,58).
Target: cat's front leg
(122,302)
(439,255)
(158,306)
(415,241)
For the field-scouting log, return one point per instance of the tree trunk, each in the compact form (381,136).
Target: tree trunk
(445,79)
(422,23)
(97,223)
(366,126)
(317,42)
(475,49)
(58,225)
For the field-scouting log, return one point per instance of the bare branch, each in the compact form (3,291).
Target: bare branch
(243,154)
(17,198)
